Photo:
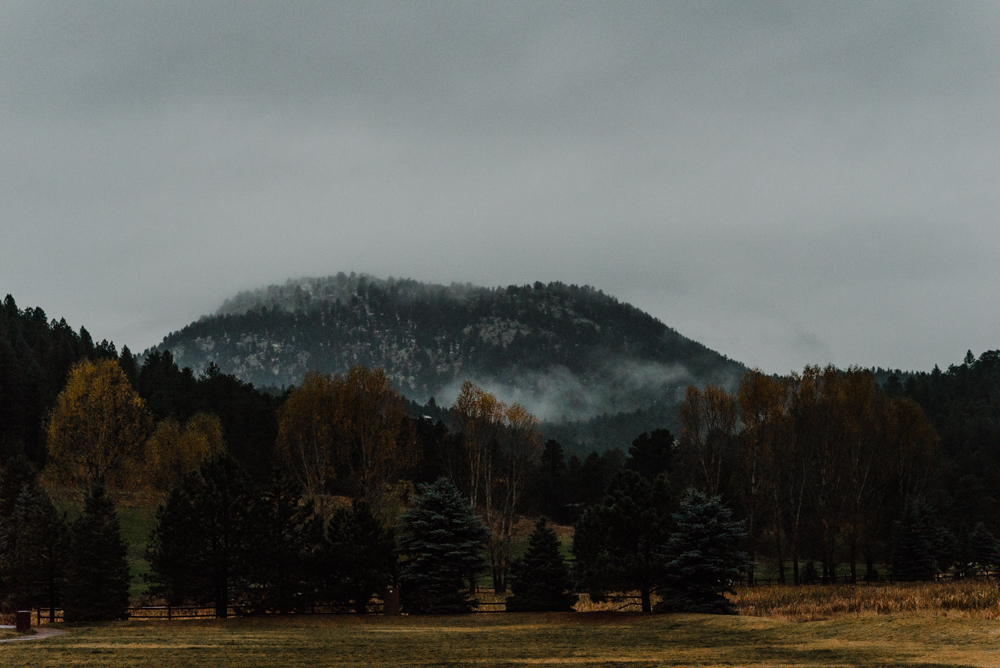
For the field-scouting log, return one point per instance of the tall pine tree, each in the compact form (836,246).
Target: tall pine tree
(285,563)
(98,568)
(34,546)
(616,542)
(540,580)
(362,556)
(204,539)
(912,549)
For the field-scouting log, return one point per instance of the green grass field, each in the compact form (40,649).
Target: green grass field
(579,639)
(137,523)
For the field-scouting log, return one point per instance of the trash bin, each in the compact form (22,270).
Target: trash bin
(23,623)
(390,601)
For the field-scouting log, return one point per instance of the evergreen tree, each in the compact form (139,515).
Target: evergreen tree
(98,567)
(441,541)
(983,549)
(34,550)
(552,481)
(540,580)
(14,475)
(595,473)
(285,566)
(703,557)
(128,364)
(203,542)
(944,546)
(362,556)
(651,453)
(912,550)
(616,542)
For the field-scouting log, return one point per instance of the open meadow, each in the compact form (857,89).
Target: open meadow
(578,639)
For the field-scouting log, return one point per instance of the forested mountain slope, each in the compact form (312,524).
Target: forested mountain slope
(563,351)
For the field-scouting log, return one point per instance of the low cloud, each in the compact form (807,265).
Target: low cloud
(557,393)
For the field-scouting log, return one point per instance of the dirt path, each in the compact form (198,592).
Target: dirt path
(40,634)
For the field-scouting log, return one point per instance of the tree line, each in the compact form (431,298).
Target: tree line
(825,466)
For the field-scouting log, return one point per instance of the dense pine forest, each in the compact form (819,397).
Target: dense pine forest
(854,473)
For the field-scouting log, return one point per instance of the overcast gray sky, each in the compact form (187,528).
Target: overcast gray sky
(788,183)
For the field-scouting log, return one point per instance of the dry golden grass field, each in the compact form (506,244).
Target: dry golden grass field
(953,624)
(973,598)
(577,639)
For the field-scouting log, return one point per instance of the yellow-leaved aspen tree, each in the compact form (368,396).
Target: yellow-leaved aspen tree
(97,429)
(501,444)
(173,451)
(520,447)
(762,412)
(861,412)
(708,420)
(821,427)
(378,445)
(308,438)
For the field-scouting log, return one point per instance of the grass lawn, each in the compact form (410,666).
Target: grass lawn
(137,523)
(580,639)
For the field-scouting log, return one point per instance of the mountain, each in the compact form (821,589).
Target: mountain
(565,352)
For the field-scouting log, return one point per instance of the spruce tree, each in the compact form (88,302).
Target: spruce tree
(912,549)
(98,568)
(361,557)
(540,580)
(441,541)
(703,557)
(983,549)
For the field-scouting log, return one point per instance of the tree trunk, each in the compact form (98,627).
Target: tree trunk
(780,546)
(221,602)
(854,553)
(644,594)
(52,597)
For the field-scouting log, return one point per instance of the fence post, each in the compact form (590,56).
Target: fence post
(170,612)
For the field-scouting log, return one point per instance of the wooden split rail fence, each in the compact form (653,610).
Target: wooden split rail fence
(172,612)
